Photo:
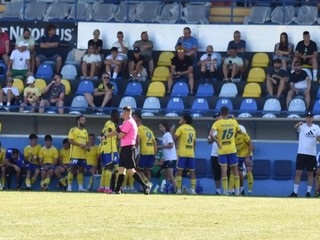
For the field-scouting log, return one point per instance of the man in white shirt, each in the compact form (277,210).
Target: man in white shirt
(113,63)
(27,38)
(9,94)
(208,63)
(19,62)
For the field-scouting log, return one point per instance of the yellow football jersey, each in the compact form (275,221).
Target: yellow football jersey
(64,155)
(92,155)
(242,145)
(79,136)
(110,144)
(32,153)
(227,129)
(48,155)
(187,137)
(147,138)
(2,155)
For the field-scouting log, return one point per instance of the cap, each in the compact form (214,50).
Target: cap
(309,114)
(23,44)
(136,50)
(30,80)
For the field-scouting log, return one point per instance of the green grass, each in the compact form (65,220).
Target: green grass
(53,215)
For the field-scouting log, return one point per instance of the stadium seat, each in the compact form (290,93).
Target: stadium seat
(316,107)
(36,10)
(169,13)
(69,71)
(196,13)
(128,101)
(257,75)
(44,71)
(202,168)
(121,13)
(272,105)
(85,86)
(269,115)
(81,11)
(74,57)
(57,11)
(224,102)
(248,105)
(282,169)
(175,105)
(133,89)
(160,73)
(260,60)
(78,105)
(293,116)
(283,15)
(103,11)
(18,83)
(148,11)
(297,106)
(40,83)
(180,89)
(151,106)
(205,90)
(252,90)
(115,88)
(258,14)
(165,59)
(261,169)
(156,89)
(307,15)
(13,10)
(199,107)
(228,90)
(244,115)
(67,86)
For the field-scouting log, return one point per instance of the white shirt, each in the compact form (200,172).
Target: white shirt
(308,139)
(213,57)
(91,58)
(13,89)
(19,59)
(168,153)
(117,45)
(109,57)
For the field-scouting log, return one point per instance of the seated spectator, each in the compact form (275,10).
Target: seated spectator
(49,44)
(136,69)
(113,63)
(188,43)
(240,45)
(208,63)
(307,53)
(181,67)
(232,65)
(14,163)
(4,46)
(9,94)
(283,50)
(53,94)
(31,95)
(277,79)
(300,84)
(96,42)
(123,47)
(19,62)
(91,63)
(146,47)
(102,94)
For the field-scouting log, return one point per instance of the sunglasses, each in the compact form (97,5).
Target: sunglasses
(106,77)
(180,50)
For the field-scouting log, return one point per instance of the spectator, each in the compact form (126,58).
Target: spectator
(9,94)
(19,62)
(307,53)
(123,47)
(300,84)
(31,95)
(146,47)
(277,79)
(98,43)
(113,63)
(240,46)
(232,65)
(53,94)
(49,44)
(14,163)
(208,63)
(4,46)
(102,94)
(2,168)
(28,39)
(188,43)
(283,50)
(91,62)
(136,69)
(181,67)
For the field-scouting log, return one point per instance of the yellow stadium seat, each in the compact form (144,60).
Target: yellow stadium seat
(156,89)
(40,83)
(66,83)
(165,59)
(260,60)
(161,73)
(252,90)
(256,75)
(18,83)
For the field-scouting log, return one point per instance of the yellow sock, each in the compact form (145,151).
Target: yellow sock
(224,183)
(250,181)
(108,175)
(80,178)
(193,183)
(125,180)
(28,182)
(179,182)
(103,177)
(33,180)
(63,181)
(47,181)
(236,182)
(131,181)
(90,182)
(145,179)
(41,183)
(70,178)
(231,181)
(3,181)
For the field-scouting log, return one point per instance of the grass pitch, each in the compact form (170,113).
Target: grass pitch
(53,215)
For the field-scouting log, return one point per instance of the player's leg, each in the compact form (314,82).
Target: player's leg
(181,162)
(190,165)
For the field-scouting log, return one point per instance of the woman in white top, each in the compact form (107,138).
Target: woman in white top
(91,62)
(169,153)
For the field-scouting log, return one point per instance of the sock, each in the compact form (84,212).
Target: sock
(107,178)
(28,182)
(241,188)
(114,75)
(103,177)
(193,183)
(125,180)
(138,178)
(8,104)
(3,181)
(90,182)
(179,182)
(315,74)
(231,181)
(145,179)
(131,181)
(41,183)
(63,182)
(47,181)
(119,182)
(70,178)
(33,180)
(224,183)
(309,188)
(295,188)
(250,181)
(80,178)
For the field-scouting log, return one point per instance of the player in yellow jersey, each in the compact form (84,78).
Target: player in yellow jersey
(63,164)
(226,129)
(244,153)
(185,136)
(31,157)
(2,167)
(78,138)
(92,159)
(48,158)
(109,152)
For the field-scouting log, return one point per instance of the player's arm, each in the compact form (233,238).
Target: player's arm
(138,140)
(155,146)
(297,125)
(73,142)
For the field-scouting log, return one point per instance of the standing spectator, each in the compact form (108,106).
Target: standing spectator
(9,94)
(92,159)
(14,163)
(146,47)
(2,167)
(309,134)
(96,42)
(181,67)
(240,46)
(19,62)
(283,50)
(123,47)
(4,46)
(136,69)
(307,53)
(300,84)
(78,139)
(113,63)
(54,94)
(232,65)
(188,43)
(208,63)
(31,95)
(29,40)
(185,137)
(91,62)
(49,48)
(277,79)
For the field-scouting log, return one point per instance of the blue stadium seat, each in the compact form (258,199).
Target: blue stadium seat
(202,168)
(248,105)
(133,89)
(180,89)
(205,90)
(85,86)
(79,105)
(69,72)
(261,169)
(228,90)
(151,106)
(44,71)
(282,169)
(272,105)
(127,101)
(116,89)
(175,105)
(297,106)
(316,107)
(224,102)
(199,107)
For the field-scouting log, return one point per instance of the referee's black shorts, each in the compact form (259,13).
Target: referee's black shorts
(127,155)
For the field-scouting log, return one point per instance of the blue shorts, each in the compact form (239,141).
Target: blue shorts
(88,167)
(50,168)
(109,158)
(186,163)
(32,167)
(228,159)
(146,161)
(75,162)
(241,161)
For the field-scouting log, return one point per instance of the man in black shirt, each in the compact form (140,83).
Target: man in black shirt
(277,79)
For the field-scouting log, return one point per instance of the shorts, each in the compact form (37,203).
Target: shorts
(15,72)
(228,159)
(109,158)
(99,99)
(146,161)
(43,58)
(169,164)
(216,169)
(50,168)
(241,161)
(76,162)
(187,163)
(32,167)
(127,157)
(88,167)
(306,161)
